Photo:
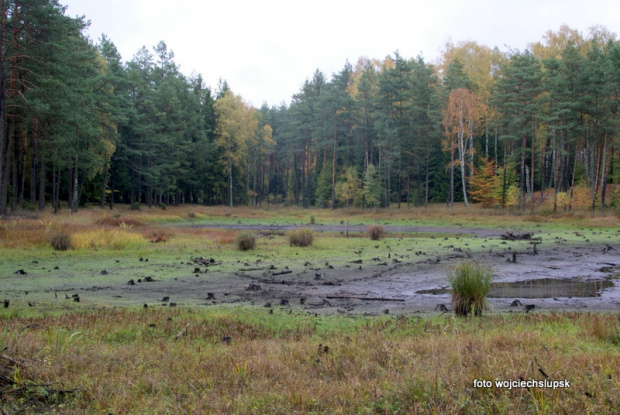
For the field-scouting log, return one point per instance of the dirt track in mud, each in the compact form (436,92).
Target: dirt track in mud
(391,282)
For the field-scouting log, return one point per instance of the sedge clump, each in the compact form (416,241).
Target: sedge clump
(301,238)
(470,284)
(375,232)
(61,241)
(246,241)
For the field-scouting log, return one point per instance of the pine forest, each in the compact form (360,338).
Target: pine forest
(522,130)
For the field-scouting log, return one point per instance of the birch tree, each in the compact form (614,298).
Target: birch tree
(462,119)
(235,125)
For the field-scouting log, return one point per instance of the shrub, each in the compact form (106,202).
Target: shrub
(301,237)
(470,284)
(163,206)
(375,232)
(61,241)
(246,241)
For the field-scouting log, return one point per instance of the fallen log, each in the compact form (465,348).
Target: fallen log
(286,271)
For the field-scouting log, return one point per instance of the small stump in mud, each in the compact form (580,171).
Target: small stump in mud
(253,287)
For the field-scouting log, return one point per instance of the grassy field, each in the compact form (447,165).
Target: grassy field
(131,361)
(116,357)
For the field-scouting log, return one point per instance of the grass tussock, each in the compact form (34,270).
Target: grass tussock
(470,284)
(301,238)
(175,361)
(246,241)
(375,232)
(61,241)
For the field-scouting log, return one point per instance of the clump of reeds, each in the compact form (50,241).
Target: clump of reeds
(61,241)
(245,241)
(301,237)
(375,232)
(470,284)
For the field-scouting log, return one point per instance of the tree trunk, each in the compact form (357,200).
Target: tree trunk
(4,186)
(522,176)
(230,184)
(399,187)
(334,166)
(532,172)
(464,181)
(112,196)
(75,188)
(572,185)
(55,187)
(604,173)
(42,185)
(105,182)
(14,175)
(33,175)
(451,190)
(2,112)
(22,171)
(426,184)
(504,180)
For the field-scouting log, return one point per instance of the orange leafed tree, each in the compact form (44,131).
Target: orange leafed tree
(483,183)
(462,119)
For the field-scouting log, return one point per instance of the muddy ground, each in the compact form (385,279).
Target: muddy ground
(394,284)
(393,281)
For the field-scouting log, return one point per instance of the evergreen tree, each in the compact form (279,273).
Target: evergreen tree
(518,97)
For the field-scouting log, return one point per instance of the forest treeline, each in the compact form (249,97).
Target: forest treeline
(516,129)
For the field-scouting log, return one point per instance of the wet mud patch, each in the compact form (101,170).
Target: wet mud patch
(541,288)
(388,276)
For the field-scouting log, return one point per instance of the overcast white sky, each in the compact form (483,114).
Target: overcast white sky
(266,49)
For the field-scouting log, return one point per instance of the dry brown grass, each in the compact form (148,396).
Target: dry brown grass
(218,236)
(136,362)
(123,222)
(375,232)
(61,241)
(23,234)
(160,235)
(301,238)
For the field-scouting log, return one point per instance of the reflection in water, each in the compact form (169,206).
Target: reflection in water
(541,288)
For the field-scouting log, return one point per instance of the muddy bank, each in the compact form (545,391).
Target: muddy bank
(398,277)
(396,284)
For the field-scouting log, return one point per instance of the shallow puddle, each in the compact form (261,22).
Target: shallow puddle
(541,288)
